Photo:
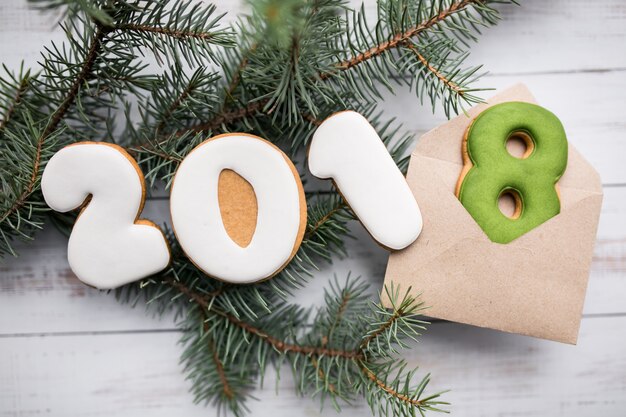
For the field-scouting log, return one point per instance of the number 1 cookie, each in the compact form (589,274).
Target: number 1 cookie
(347,149)
(490,171)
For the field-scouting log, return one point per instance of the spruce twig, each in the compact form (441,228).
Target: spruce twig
(20,91)
(55,119)
(399,39)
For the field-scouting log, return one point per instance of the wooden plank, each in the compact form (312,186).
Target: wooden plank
(24,32)
(496,374)
(490,373)
(555,36)
(39,293)
(607,282)
(538,36)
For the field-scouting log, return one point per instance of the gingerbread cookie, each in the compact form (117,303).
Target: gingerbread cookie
(109,246)
(347,149)
(226,231)
(490,171)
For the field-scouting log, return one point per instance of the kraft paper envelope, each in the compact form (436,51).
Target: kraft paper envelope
(534,285)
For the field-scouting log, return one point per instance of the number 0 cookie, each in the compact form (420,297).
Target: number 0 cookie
(238,208)
(490,171)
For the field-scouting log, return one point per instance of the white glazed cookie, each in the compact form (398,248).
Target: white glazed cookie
(197,219)
(108,246)
(347,149)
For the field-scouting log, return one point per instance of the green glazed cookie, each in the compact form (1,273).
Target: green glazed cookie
(490,171)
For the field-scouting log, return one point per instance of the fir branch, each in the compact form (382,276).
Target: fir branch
(333,211)
(338,315)
(327,385)
(390,390)
(360,361)
(288,72)
(174,106)
(192,95)
(55,119)
(453,92)
(285,347)
(219,366)
(175,33)
(403,313)
(72,9)
(236,77)
(399,39)
(215,380)
(229,117)
(20,91)
(280,345)
(455,88)
(83,75)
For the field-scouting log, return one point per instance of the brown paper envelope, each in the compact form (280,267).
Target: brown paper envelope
(534,285)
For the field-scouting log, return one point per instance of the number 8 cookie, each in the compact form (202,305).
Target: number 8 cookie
(490,171)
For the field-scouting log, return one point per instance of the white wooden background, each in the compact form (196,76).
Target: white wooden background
(67,350)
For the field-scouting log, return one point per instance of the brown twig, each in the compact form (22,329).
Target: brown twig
(228,117)
(57,116)
(178,34)
(311,119)
(313,351)
(342,308)
(175,104)
(19,93)
(396,315)
(322,375)
(219,366)
(313,229)
(398,39)
(224,117)
(206,297)
(389,390)
(276,343)
(452,86)
(285,347)
(242,65)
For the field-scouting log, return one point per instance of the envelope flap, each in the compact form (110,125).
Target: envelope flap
(443,143)
(579,174)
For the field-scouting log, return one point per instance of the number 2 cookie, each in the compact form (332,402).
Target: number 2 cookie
(109,245)
(490,171)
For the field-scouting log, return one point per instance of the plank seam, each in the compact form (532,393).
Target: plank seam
(177,330)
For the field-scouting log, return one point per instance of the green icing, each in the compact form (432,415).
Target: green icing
(495,170)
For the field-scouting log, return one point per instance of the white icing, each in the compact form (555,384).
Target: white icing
(346,148)
(197,219)
(106,248)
